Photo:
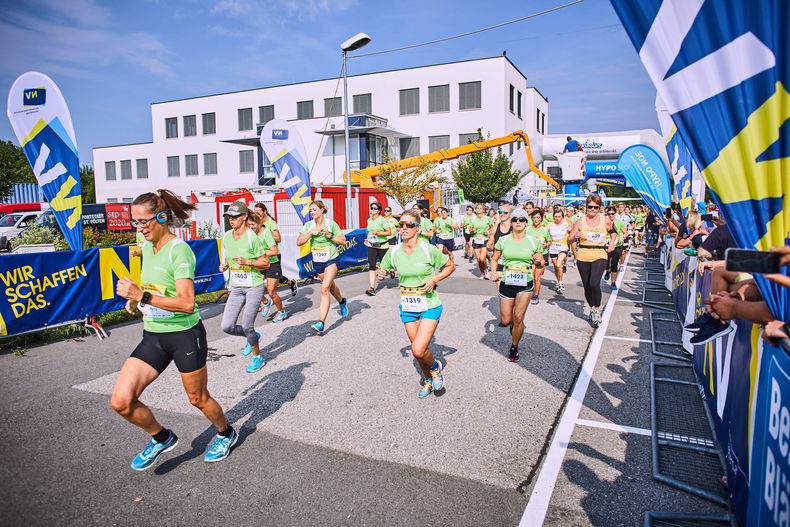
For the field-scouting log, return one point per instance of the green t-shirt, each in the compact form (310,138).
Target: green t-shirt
(160,271)
(425,226)
(466,223)
(266,236)
(140,239)
(320,241)
(414,269)
(576,217)
(518,254)
(443,227)
(380,224)
(540,235)
(620,227)
(639,219)
(393,223)
(247,246)
(481,226)
(271,225)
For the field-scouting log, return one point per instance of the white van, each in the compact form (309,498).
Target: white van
(14,223)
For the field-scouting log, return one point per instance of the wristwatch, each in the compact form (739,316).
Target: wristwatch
(146,299)
(786,328)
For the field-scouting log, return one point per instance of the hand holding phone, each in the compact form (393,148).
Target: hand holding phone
(752,261)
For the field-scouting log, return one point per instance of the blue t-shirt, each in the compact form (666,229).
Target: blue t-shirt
(572,146)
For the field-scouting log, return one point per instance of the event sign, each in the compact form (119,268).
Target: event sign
(644,169)
(284,147)
(42,125)
(353,253)
(685,173)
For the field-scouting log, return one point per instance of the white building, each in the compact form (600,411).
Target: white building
(211,142)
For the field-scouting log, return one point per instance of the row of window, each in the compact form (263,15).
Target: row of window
(126,169)
(246,165)
(190,125)
(515,101)
(410,146)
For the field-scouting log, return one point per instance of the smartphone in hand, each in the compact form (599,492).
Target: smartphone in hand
(751,261)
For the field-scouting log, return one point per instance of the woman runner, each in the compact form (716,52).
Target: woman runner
(558,248)
(270,224)
(324,236)
(378,233)
(445,228)
(392,221)
(613,260)
(257,223)
(591,231)
(420,306)
(426,225)
(519,253)
(482,230)
(540,234)
(466,225)
(244,256)
(172,330)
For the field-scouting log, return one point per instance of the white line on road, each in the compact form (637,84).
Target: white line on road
(629,339)
(538,504)
(616,428)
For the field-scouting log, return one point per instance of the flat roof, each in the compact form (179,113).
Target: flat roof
(537,90)
(358,75)
(127,144)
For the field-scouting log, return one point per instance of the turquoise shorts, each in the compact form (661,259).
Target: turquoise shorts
(407,316)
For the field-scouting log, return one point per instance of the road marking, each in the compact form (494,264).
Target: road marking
(629,339)
(538,505)
(616,428)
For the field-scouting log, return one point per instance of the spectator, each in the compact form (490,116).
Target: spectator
(572,146)
(717,241)
(653,226)
(695,231)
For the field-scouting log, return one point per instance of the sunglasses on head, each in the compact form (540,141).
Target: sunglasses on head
(408,224)
(519,219)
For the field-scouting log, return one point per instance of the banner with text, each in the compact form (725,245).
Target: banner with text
(283,145)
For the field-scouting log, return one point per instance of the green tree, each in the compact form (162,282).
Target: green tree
(619,192)
(405,185)
(88,184)
(483,177)
(14,168)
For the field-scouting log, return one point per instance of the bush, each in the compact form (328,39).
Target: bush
(111,238)
(38,235)
(207,230)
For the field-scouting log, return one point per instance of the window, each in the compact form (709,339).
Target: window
(537,119)
(519,105)
(142,169)
(172,166)
(465,138)
(543,123)
(438,142)
(109,170)
(245,119)
(246,161)
(171,128)
(469,97)
(409,147)
(363,104)
(304,110)
(265,113)
(333,107)
(439,98)
(126,169)
(112,200)
(190,165)
(210,163)
(209,123)
(511,148)
(512,97)
(410,101)
(126,200)
(190,125)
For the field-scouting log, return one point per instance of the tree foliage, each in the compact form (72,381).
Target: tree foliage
(14,168)
(87,184)
(483,177)
(409,184)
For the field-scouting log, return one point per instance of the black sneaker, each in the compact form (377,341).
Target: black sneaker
(697,324)
(513,354)
(711,330)
(294,287)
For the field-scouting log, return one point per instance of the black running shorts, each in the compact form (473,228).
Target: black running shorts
(275,270)
(510,291)
(188,348)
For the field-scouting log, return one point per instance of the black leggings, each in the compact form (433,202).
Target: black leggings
(591,273)
(613,262)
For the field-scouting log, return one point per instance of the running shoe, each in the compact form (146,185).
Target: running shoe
(564,268)
(614,287)
(711,330)
(482,277)
(697,324)
(436,376)
(595,317)
(256,363)
(344,308)
(513,354)
(280,317)
(562,288)
(535,300)
(220,447)
(426,390)
(318,327)
(606,276)
(294,287)
(392,274)
(574,264)
(370,291)
(265,310)
(248,348)
(149,455)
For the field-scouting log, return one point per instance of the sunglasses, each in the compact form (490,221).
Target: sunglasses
(611,214)
(408,224)
(387,210)
(519,220)
(593,207)
(503,212)
(374,208)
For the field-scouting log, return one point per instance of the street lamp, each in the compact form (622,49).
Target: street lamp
(357,41)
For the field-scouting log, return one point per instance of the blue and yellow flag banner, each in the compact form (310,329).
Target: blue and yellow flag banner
(42,124)
(284,147)
(644,169)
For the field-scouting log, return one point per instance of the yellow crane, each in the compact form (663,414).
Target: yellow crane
(367,176)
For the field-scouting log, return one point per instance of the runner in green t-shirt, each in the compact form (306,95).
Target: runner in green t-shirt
(541,235)
(415,260)
(519,253)
(379,233)
(445,227)
(392,221)
(324,236)
(426,225)
(466,225)
(613,259)
(482,228)
(274,271)
(172,330)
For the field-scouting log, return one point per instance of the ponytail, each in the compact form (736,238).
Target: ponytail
(165,201)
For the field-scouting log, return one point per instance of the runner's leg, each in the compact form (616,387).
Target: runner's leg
(196,387)
(420,334)
(520,305)
(134,378)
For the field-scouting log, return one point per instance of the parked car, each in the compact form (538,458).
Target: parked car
(8,208)
(14,223)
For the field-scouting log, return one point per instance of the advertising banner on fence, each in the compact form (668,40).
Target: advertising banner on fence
(644,169)
(284,147)
(353,253)
(42,125)
(43,289)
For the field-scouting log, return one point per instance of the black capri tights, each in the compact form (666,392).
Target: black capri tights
(613,262)
(591,273)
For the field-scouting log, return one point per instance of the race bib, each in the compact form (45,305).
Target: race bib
(596,237)
(515,275)
(413,300)
(321,254)
(557,247)
(479,240)
(445,235)
(373,238)
(241,275)
(149,310)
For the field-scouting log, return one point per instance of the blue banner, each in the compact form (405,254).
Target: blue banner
(594,169)
(42,289)
(645,171)
(283,145)
(682,169)
(353,253)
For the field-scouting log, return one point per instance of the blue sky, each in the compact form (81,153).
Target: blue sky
(111,60)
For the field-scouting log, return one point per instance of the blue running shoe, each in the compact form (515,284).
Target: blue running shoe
(148,457)
(437,379)
(256,363)
(344,308)
(614,287)
(248,348)
(427,388)
(220,447)
(280,317)
(318,327)
(265,310)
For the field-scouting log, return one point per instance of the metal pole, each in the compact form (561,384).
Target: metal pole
(349,214)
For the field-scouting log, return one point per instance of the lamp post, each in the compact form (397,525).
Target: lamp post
(357,41)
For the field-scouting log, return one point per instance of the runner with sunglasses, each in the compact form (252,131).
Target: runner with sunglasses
(466,225)
(519,253)
(420,308)
(482,230)
(445,231)
(558,248)
(426,225)
(613,260)
(378,233)
(592,231)
(540,234)
(392,221)
(324,236)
